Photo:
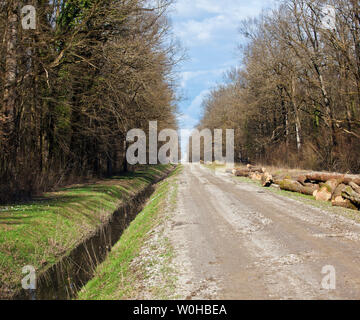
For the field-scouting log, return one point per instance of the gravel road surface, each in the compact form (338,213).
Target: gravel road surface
(235,240)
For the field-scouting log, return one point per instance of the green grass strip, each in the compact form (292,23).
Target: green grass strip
(114,278)
(40,232)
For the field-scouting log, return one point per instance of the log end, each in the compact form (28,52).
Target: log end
(323,194)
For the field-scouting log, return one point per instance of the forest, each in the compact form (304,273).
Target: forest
(295,100)
(71,88)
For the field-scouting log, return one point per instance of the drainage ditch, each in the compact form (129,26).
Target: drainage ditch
(64,279)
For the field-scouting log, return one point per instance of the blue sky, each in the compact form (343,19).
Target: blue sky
(208,29)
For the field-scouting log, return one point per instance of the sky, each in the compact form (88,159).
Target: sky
(208,30)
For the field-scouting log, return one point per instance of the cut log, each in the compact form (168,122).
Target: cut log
(241,172)
(295,186)
(309,190)
(255,169)
(290,185)
(277,180)
(326,192)
(337,194)
(343,203)
(308,184)
(333,184)
(351,195)
(255,176)
(355,187)
(350,178)
(275,186)
(324,177)
(266,179)
(302,180)
(323,195)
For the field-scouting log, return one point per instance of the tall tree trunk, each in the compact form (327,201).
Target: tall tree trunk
(328,107)
(125,167)
(356,33)
(297,117)
(285,116)
(11,38)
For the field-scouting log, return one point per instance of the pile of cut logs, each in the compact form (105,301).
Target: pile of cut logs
(341,189)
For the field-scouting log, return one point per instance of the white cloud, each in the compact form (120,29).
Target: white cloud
(208,28)
(187,121)
(195,106)
(199,22)
(202,21)
(187,76)
(191,8)
(194,32)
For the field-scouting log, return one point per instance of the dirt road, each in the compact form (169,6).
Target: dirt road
(235,240)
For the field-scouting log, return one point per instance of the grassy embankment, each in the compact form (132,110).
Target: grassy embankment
(40,232)
(310,200)
(116,278)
